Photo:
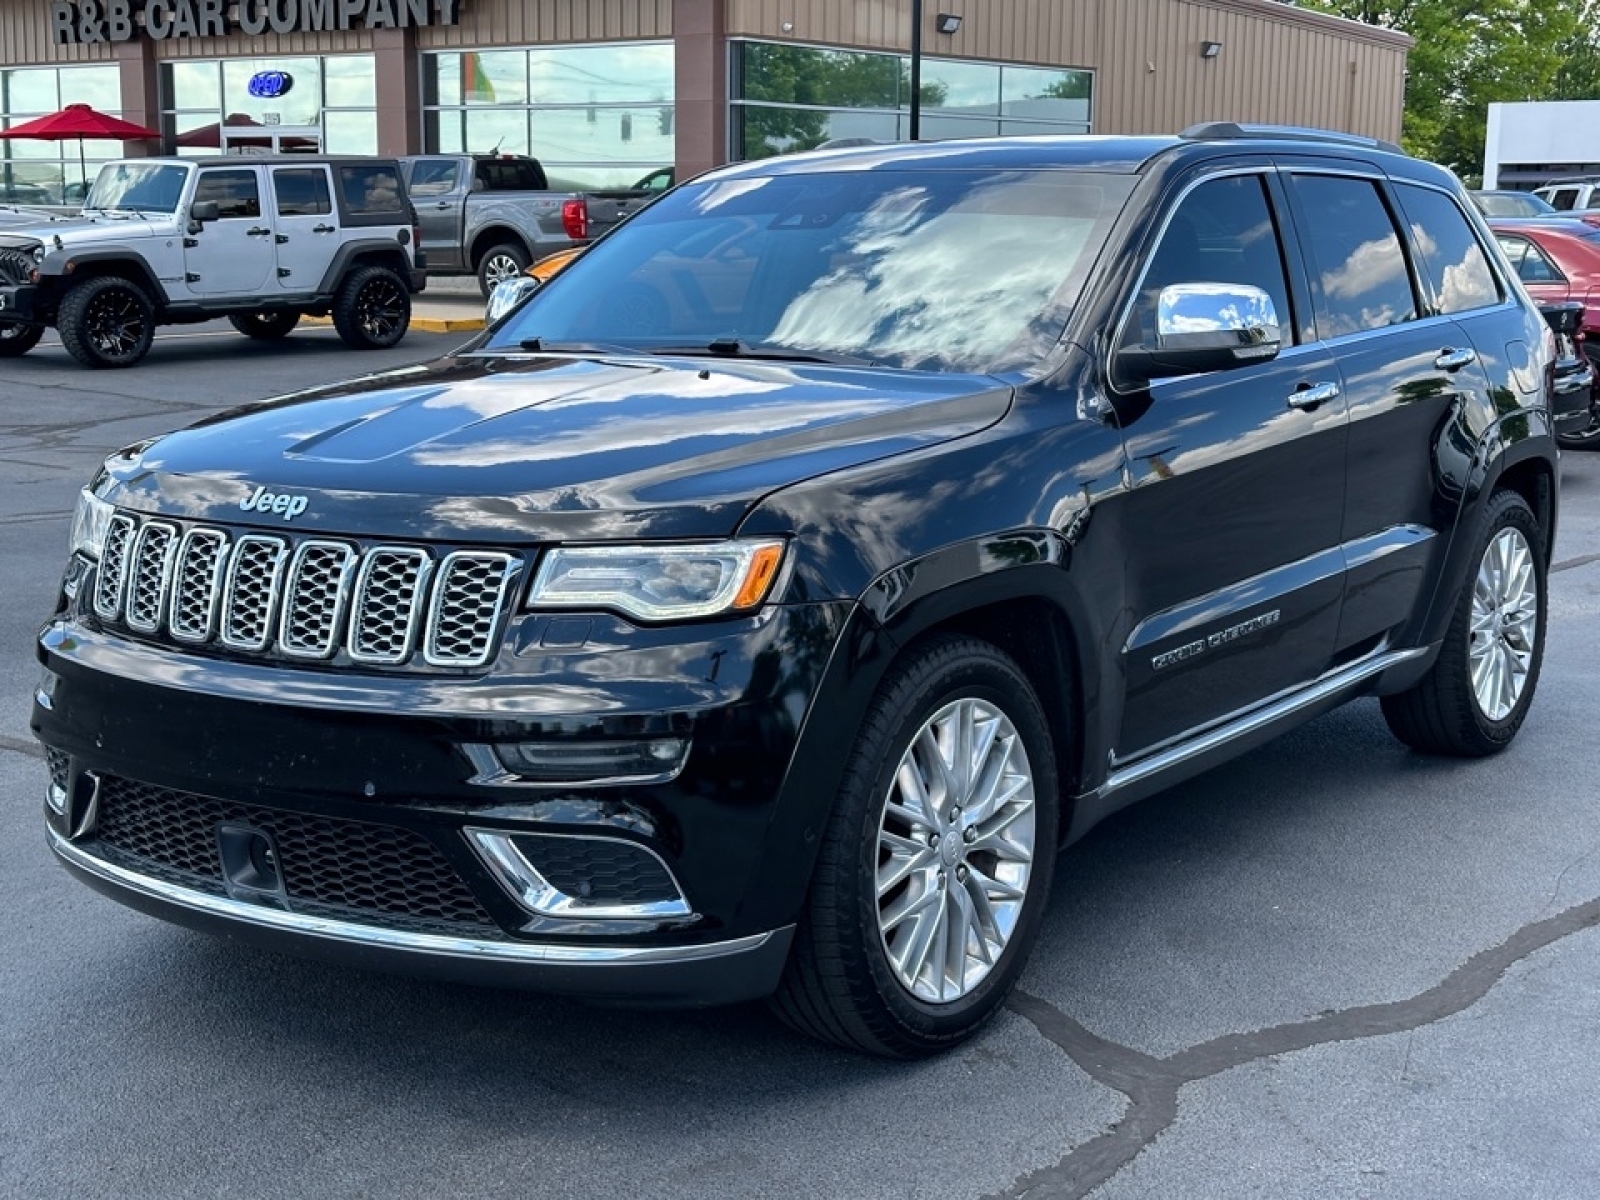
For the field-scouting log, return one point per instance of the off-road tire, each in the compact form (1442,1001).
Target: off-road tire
(505,260)
(1441,713)
(372,309)
(267,325)
(16,339)
(106,321)
(839,984)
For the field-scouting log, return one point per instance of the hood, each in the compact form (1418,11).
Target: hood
(484,448)
(82,231)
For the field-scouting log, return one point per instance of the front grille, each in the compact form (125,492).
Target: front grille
(599,870)
(15,267)
(307,598)
(326,863)
(57,762)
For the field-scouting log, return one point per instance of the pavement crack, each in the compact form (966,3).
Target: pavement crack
(21,746)
(1567,564)
(1152,1084)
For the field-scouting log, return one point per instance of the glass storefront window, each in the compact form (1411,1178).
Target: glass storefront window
(38,172)
(349,81)
(336,92)
(789,98)
(592,115)
(354,132)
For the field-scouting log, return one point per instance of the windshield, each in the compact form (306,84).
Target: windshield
(932,270)
(137,187)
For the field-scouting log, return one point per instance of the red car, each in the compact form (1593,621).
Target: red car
(1558,261)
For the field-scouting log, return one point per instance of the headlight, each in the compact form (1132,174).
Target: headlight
(659,583)
(90,521)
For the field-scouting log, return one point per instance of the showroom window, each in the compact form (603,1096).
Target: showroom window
(790,98)
(594,116)
(336,93)
(34,172)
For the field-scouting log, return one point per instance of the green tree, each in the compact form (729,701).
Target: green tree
(1471,53)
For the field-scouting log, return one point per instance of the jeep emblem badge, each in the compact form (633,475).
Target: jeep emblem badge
(285,505)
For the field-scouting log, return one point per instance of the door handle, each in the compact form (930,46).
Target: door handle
(1454,360)
(257,232)
(281,238)
(322,229)
(442,204)
(1310,395)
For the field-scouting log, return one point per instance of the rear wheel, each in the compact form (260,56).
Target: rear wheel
(936,865)
(1474,699)
(265,326)
(504,261)
(17,339)
(372,309)
(107,321)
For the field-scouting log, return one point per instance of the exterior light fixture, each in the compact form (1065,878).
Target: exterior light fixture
(1210,49)
(947,23)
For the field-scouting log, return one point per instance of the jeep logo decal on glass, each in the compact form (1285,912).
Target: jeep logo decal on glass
(269,85)
(285,505)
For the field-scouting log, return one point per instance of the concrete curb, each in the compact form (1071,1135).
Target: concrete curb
(423,324)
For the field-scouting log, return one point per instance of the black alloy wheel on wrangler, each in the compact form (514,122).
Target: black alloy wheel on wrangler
(1473,700)
(935,867)
(16,339)
(107,321)
(372,309)
(265,326)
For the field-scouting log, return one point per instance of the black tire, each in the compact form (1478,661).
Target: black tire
(1442,714)
(265,326)
(372,309)
(840,984)
(16,339)
(506,260)
(107,321)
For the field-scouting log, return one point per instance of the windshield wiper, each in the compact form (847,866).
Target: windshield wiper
(727,347)
(541,346)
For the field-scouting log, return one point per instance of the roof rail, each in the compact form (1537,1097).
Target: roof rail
(1286,133)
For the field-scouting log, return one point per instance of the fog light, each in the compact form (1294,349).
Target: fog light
(635,761)
(580,876)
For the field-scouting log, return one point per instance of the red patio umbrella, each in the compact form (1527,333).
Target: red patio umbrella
(80,121)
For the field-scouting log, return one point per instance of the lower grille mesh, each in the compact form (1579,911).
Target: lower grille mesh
(600,870)
(347,865)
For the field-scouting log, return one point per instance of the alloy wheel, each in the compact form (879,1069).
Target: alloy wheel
(498,268)
(1505,616)
(115,323)
(380,309)
(955,850)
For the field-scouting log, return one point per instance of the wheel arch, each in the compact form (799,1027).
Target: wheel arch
(94,264)
(369,252)
(491,236)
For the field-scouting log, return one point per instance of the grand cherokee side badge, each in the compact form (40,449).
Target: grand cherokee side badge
(1220,638)
(285,505)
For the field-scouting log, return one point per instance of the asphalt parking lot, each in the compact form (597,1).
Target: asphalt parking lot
(1331,968)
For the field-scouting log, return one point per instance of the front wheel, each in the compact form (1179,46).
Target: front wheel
(1474,699)
(16,339)
(266,326)
(106,321)
(372,309)
(936,864)
(502,262)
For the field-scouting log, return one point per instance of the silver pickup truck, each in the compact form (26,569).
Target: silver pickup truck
(492,215)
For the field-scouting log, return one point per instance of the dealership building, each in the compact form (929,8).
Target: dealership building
(605,91)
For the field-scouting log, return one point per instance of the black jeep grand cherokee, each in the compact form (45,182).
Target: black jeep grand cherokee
(759,607)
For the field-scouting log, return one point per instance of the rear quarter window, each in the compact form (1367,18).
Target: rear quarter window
(1452,259)
(371,189)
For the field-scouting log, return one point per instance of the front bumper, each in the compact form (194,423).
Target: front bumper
(346,765)
(17,303)
(1573,399)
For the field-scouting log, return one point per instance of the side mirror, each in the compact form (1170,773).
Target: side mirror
(1205,327)
(509,294)
(200,212)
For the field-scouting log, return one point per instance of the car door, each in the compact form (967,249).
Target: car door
(1405,369)
(1236,480)
(439,194)
(307,236)
(233,255)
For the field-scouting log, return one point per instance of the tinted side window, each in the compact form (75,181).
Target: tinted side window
(371,188)
(1451,256)
(1563,198)
(1355,256)
(1222,232)
(434,176)
(1528,260)
(301,192)
(236,192)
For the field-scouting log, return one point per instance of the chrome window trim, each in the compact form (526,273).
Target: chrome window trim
(419,605)
(470,949)
(219,573)
(130,587)
(341,602)
(274,590)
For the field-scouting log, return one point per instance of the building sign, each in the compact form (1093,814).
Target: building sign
(83,22)
(269,85)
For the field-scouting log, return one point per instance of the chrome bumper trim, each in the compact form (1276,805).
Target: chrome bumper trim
(389,939)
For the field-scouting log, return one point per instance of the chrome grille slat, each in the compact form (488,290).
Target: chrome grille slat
(250,597)
(307,598)
(197,585)
(149,570)
(468,603)
(113,568)
(315,594)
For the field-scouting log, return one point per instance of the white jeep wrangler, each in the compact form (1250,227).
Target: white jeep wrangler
(261,241)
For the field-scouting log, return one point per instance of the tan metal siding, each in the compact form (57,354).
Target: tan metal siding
(538,22)
(25,38)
